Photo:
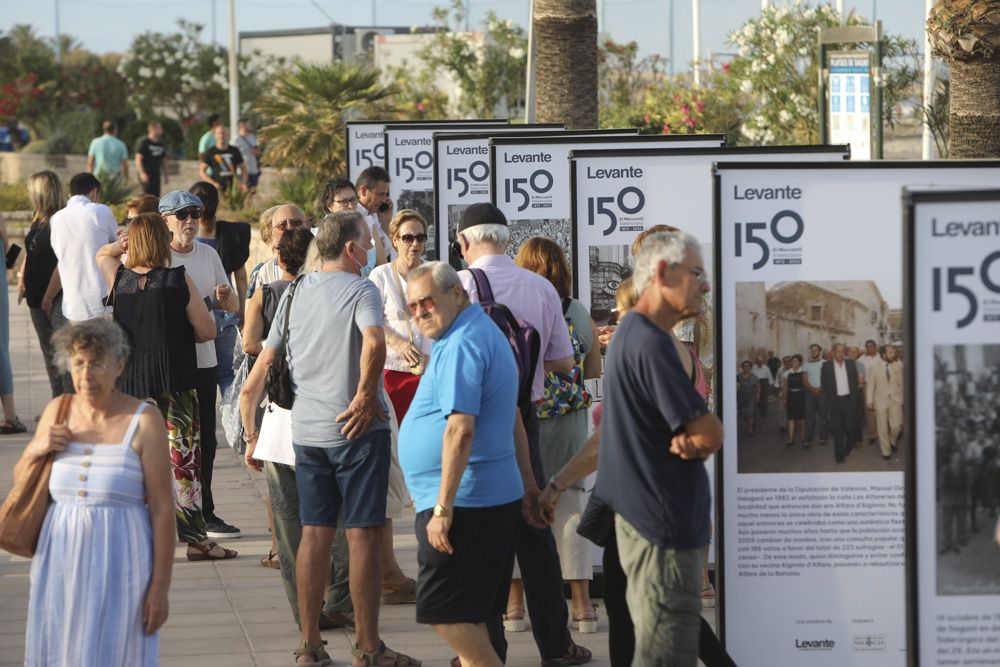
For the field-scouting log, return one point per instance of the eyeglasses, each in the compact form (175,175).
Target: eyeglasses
(352,201)
(423,303)
(285,224)
(80,365)
(413,238)
(193,213)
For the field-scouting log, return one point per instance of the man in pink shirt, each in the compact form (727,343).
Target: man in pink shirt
(483,236)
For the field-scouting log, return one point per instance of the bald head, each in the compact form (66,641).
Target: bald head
(286,216)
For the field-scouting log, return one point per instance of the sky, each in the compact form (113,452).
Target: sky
(109,25)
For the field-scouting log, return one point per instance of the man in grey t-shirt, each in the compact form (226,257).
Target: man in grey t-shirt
(336,351)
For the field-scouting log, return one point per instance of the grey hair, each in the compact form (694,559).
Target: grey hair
(335,230)
(98,338)
(669,247)
(442,274)
(498,235)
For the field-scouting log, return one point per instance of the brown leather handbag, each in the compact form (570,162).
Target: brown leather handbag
(23,513)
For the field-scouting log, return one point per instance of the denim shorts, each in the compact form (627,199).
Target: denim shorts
(354,476)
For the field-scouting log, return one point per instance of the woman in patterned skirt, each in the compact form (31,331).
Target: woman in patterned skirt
(163,315)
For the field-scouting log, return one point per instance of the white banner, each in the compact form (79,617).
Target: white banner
(849,111)
(365,146)
(462,171)
(954,290)
(409,158)
(531,182)
(809,267)
(365,141)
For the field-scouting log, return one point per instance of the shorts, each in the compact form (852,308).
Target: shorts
(471,585)
(354,477)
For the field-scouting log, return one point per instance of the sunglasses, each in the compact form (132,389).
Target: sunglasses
(193,213)
(413,238)
(424,303)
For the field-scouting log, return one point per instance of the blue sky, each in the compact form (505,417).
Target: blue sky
(108,25)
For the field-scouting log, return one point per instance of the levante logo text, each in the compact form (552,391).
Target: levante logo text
(814,644)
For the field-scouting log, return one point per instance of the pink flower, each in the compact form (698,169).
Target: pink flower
(420,106)
(699,105)
(689,121)
(725,68)
(666,129)
(677,98)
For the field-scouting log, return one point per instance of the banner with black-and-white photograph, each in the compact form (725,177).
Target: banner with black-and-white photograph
(409,158)
(462,171)
(530,181)
(953,407)
(809,315)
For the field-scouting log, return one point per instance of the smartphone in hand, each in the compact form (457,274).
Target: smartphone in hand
(12,252)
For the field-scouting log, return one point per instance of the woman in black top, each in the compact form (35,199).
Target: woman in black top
(38,280)
(163,315)
(232,241)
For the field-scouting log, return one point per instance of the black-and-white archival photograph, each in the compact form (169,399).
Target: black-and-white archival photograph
(558,229)
(421,201)
(967,416)
(819,377)
(609,266)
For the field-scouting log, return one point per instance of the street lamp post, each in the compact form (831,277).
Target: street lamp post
(234,78)
(696,39)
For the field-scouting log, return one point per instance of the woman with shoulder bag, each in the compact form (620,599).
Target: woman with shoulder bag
(101,571)
(563,430)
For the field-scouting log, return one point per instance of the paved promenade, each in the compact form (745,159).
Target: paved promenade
(224,613)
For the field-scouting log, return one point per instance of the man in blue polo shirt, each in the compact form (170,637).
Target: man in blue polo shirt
(458,454)
(659,489)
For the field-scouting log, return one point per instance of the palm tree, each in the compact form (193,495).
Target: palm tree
(966,33)
(566,62)
(307,110)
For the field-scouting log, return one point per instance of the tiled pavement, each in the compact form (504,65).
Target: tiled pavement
(226,613)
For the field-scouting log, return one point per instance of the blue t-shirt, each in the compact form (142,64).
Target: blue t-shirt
(471,371)
(108,152)
(648,399)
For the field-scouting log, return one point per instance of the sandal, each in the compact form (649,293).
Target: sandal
(575,655)
(8,427)
(320,658)
(513,620)
(206,552)
(271,560)
(374,658)
(405,594)
(585,620)
(708,597)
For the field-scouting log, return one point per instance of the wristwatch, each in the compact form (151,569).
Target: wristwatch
(442,511)
(552,483)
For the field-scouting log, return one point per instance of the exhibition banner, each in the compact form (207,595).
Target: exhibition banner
(365,146)
(849,110)
(530,179)
(409,158)
(462,170)
(809,274)
(365,141)
(953,404)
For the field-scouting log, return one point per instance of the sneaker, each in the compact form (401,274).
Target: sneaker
(219,529)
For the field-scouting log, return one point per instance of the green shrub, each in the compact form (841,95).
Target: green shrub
(114,188)
(14,197)
(302,188)
(234,197)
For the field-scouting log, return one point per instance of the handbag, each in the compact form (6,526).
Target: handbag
(597,523)
(23,513)
(278,380)
(565,392)
(419,367)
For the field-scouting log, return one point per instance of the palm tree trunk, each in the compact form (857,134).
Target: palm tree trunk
(566,62)
(975,109)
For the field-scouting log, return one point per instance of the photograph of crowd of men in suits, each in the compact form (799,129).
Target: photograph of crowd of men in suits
(833,399)
(967,441)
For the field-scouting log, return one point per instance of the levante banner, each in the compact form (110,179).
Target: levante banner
(809,281)
(530,180)
(953,405)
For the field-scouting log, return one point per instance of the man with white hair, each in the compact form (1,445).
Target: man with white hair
(483,236)
(660,495)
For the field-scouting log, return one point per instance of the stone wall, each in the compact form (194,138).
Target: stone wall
(181,174)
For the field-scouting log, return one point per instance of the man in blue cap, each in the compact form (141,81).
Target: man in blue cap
(182,210)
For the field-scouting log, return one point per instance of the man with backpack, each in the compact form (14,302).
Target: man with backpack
(493,279)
